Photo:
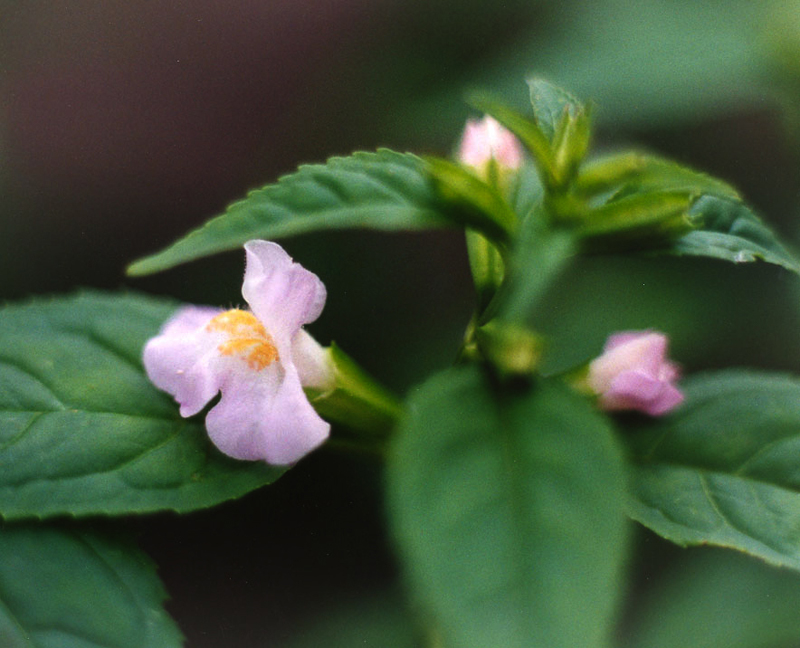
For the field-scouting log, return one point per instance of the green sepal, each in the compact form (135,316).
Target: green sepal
(487,266)
(513,350)
(479,204)
(356,400)
(570,144)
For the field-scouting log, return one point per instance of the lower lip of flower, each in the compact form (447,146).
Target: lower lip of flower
(247,338)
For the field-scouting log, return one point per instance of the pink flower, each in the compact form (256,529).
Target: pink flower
(633,373)
(486,140)
(258,359)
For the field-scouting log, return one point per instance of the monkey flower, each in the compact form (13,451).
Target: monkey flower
(633,373)
(259,359)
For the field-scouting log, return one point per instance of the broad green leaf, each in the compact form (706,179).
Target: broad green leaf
(507,508)
(549,104)
(716,599)
(383,191)
(62,588)
(724,469)
(732,232)
(82,430)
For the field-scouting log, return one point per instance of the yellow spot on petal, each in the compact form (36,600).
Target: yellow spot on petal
(247,338)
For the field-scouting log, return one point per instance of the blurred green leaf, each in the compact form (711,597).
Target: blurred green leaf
(71,589)
(82,430)
(541,253)
(481,205)
(644,64)
(378,621)
(383,191)
(506,504)
(732,232)
(529,133)
(715,599)
(723,469)
(549,104)
(627,173)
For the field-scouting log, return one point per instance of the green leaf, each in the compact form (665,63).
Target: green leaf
(384,191)
(549,104)
(732,232)
(63,588)
(632,172)
(82,430)
(716,599)
(482,205)
(528,132)
(507,507)
(723,469)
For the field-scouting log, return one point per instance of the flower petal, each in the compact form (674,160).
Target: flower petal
(179,360)
(281,293)
(313,362)
(265,417)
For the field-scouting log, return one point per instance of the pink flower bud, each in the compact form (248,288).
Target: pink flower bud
(633,373)
(486,140)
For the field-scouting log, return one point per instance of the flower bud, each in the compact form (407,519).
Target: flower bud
(486,142)
(633,373)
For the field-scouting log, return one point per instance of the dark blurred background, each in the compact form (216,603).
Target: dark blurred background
(124,125)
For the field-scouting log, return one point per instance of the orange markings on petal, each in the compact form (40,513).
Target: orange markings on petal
(247,338)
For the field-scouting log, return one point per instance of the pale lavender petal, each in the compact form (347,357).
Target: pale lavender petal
(281,293)
(267,419)
(178,360)
(623,337)
(669,398)
(641,353)
(633,373)
(313,362)
(631,390)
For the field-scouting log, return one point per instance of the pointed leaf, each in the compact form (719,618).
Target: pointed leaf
(549,104)
(64,588)
(528,132)
(631,172)
(732,232)
(723,469)
(384,191)
(493,496)
(483,207)
(82,430)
